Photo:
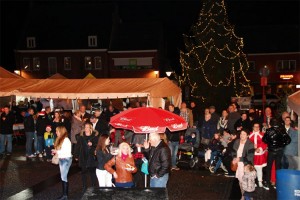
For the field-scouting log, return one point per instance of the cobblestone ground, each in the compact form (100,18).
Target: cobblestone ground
(22,178)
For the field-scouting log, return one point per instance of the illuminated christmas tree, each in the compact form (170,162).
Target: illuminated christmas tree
(214,64)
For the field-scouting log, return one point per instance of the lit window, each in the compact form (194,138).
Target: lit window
(98,63)
(30,42)
(88,63)
(26,64)
(92,41)
(67,63)
(36,64)
(286,65)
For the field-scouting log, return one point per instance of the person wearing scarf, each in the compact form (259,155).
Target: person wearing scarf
(260,154)
(124,166)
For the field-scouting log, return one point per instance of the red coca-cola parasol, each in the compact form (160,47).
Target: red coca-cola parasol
(148,120)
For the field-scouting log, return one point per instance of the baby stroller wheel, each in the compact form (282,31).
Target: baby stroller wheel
(192,163)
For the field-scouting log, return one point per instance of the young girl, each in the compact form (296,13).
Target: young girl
(49,143)
(124,164)
(103,155)
(249,181)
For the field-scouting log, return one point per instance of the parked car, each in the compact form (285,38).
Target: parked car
(271,100)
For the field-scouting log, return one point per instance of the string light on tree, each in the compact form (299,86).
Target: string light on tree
(213,62)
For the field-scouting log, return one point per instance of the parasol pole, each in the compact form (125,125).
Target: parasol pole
(148,163)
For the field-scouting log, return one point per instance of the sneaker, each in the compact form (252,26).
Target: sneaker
(45,154)
(230,175)
(8,154)
(260,184)
(212,169)
(31,156)
(274,186)
(175,168)
(266,186)
(40,155)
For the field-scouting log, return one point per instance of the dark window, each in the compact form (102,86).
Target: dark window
(67,63)
(52,65)
(98,62)
(286,65)
(36,64)
(26,64)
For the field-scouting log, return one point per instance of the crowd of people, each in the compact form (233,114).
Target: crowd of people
(257,144)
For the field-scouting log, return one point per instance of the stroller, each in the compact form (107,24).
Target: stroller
(186,154)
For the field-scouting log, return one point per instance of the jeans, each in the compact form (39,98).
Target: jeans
(174,150)
(273,155)
(40,144)
(29,141)
(125,185)
(160,182)
(3,139)
(104,178)
(64,166)
(35,142)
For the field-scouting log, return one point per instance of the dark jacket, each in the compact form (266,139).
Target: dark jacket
(6,126)
(276,138)
(102,158)
(41,123)
(208,129)
(102,126)
(84,153)
(29,124)
(248,151)
(215,145)
(232,118)
(229,149)
(159,160)
(245,124)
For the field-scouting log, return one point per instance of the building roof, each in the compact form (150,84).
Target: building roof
(53,29)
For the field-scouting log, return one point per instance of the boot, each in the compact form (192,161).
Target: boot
(84,182)
(65,191)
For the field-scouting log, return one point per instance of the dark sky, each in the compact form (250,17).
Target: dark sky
(265,25)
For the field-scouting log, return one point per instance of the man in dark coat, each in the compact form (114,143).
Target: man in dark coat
(276,138)
(159,160)
(7,121)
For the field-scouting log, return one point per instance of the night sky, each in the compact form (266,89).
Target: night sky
(266,26)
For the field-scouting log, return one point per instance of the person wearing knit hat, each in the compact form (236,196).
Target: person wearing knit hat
(49,143)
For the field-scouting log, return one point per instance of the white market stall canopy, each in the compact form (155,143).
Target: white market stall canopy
(154,88)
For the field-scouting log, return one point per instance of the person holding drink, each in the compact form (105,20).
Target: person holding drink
(124,166)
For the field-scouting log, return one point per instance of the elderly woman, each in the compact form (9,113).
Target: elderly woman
(243,153)
(124,166)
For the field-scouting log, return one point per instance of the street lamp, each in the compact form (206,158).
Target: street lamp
(264,73)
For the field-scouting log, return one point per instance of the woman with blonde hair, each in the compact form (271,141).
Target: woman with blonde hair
(124,166)
(85,153)
(63,147)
